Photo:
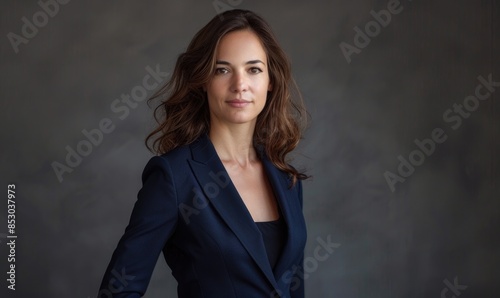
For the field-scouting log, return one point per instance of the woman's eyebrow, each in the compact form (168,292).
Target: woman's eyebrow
(248,62)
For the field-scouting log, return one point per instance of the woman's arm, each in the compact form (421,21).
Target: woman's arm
(297,287)
(151,224)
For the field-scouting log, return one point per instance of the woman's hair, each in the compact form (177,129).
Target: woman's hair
(183,114)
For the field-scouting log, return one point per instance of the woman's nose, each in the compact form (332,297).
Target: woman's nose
(239,83)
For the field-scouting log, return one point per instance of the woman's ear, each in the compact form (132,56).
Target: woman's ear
(270,87)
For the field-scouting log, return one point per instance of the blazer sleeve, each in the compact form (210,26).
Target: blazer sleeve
(298,290)
(152,222)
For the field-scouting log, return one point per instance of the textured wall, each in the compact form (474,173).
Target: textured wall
(416,78)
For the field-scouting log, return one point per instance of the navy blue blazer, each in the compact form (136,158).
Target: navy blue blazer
(189,209)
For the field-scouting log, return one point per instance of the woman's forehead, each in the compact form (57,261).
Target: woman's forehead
(240,46)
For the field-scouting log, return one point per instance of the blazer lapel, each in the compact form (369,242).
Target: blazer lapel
(228,203)
(292,213)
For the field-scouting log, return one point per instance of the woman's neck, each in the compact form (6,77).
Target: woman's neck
(234,144)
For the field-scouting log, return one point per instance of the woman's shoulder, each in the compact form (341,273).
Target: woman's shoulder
(169,163)
(179,155)
(176,153)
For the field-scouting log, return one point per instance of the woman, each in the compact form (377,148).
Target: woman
(220,202)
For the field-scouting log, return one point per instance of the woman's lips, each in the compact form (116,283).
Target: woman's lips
(238,103)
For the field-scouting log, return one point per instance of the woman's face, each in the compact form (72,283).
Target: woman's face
(238,88)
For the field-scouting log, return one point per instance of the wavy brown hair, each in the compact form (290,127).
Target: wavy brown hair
(183,114)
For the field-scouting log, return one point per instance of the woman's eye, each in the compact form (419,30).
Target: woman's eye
(255,70)
(221,70)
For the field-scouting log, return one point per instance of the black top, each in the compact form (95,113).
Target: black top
(274,234)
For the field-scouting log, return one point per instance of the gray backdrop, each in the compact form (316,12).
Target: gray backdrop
(434,234)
